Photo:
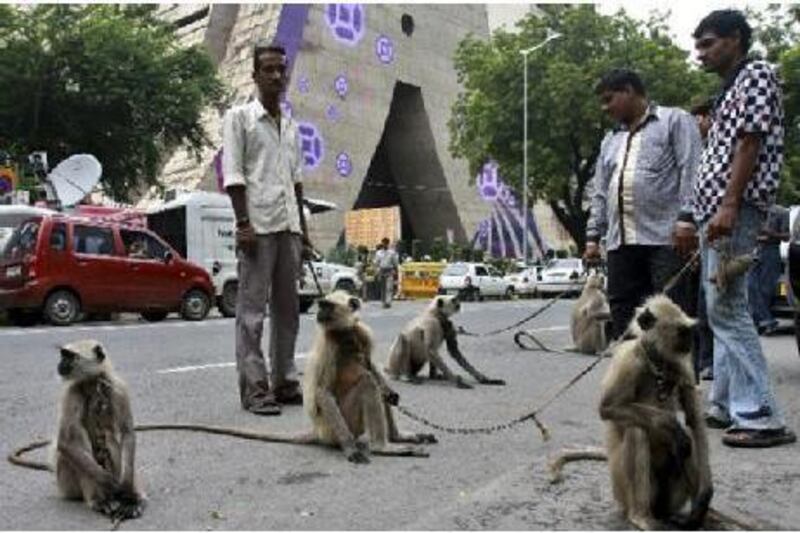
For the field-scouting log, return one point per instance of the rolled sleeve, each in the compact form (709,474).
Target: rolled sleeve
(688,147)
(758,102)
(598,192)
(233,172)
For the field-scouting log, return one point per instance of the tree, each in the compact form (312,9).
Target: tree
(566,124)
(110,80)
(776,32)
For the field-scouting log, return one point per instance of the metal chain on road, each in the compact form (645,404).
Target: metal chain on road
(513,422)
(537,312)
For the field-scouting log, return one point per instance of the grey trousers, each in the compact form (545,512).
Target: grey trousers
(270,274)
(387,286)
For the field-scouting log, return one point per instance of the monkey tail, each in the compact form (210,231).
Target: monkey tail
(302,438)
(586,454)
(15,457)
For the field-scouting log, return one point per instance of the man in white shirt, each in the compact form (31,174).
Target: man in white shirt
(262,167)
(386,262)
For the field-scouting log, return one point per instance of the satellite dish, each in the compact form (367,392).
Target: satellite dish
(75,177)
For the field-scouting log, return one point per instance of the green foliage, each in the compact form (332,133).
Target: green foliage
(110,80)
(777,32)
(566,124)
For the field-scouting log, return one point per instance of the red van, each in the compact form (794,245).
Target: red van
(62,267)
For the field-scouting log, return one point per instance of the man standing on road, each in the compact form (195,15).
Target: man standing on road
(762,279)
(641,193)
(386,262)
(736,184)
(262,172)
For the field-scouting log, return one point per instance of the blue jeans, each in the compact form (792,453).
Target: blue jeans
(741,390)
(762,281)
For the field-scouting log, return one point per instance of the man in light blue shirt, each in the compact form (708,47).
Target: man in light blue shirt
(640,196)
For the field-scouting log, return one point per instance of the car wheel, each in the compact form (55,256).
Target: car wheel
(346,285)
(154,316)
(509,293)
(195,305)
(62,308)
(305,304)
(227,302)
(24,318)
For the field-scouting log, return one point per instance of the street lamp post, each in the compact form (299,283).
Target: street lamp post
(550,36)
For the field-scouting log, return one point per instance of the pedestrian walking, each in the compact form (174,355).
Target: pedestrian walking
(736,184)
(386,262)
(640,199)
(262,174)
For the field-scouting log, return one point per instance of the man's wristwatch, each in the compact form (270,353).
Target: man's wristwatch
(242,222)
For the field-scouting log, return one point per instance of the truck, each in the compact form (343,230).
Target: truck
(200,225)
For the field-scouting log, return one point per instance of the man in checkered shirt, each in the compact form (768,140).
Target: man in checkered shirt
(736,184)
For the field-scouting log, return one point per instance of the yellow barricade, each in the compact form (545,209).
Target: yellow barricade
(420,280)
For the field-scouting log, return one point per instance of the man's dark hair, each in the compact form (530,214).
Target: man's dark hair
(266,46)
(619,79)
(725,23)
(703,108)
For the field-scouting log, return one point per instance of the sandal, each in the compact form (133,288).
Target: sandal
(758,438)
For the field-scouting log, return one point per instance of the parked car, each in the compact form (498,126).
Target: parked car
(331,277)
(792,272)
(62,267)
(562,275)
(525,280)
(473,281)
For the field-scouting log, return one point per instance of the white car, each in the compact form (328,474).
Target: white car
(525,281)
(473,281)
(331,277)
(562,275)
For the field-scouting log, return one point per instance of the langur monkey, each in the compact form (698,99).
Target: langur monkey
(95,444)
(345,395)
(590,316)
(657,464)
(419,343)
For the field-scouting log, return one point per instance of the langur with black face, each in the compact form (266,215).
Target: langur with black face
(419,343)
(658,464)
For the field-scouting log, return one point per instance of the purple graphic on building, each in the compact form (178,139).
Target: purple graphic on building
(344,166)
(384,49)
(346,21)
(287,109)
(340,85)
(488,182)
(303,85)
(332,112)
(311,145)
(501,234)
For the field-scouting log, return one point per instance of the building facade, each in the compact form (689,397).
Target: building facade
(371,86)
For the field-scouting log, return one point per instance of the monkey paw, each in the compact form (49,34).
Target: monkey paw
(357,454)
(461,384)
(426,438)
(392,398)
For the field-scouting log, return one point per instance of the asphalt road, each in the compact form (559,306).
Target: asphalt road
(183,372)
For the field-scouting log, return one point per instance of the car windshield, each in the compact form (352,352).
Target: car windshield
(573,263)
(455,270)
(23,240)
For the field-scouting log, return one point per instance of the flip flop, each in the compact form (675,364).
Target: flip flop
(265,409)
(758,438)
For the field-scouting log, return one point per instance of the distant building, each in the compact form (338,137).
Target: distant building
(372,86)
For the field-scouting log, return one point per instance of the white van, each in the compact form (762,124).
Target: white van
(201,226)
